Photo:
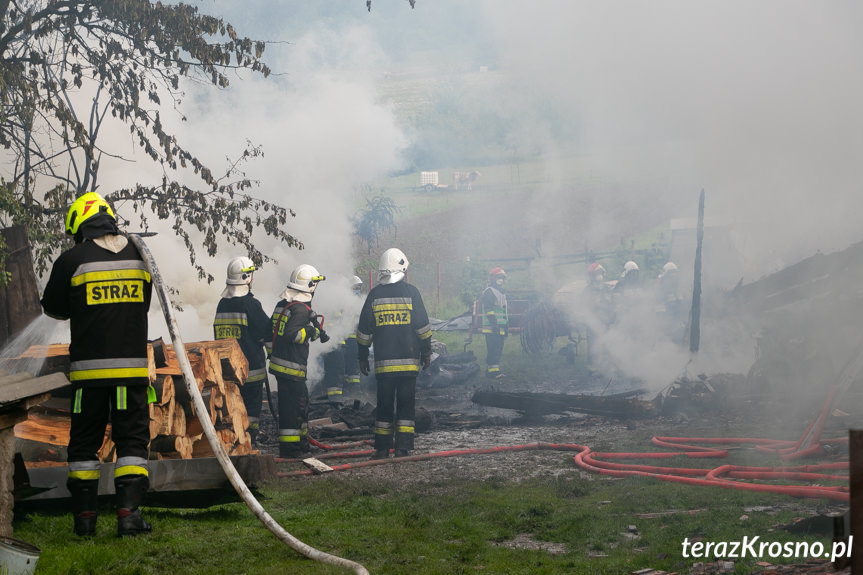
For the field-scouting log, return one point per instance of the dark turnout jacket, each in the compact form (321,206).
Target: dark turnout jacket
(292,332)
(106,297)
(244,319)
(394,319)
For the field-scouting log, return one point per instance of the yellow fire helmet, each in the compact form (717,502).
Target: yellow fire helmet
(85,207)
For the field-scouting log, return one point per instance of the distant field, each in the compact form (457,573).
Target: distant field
(535,218)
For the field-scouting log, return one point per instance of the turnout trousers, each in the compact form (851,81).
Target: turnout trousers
(494,351)
(293,417)
(395,412)
(253,398)
(127,410)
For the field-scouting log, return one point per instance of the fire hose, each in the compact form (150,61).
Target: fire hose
(589,460)
(210,431)
(725,476)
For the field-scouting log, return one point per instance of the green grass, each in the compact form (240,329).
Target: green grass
(393,530)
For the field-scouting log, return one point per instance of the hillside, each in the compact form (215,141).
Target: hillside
(532,223)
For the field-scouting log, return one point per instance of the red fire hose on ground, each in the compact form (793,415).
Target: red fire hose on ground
(726,476)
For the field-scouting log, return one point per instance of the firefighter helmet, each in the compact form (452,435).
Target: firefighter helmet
(595,271)
(240,271)
(356,284)
(305,278)
(630,270)
(84,208)
(301,286)
(496,276)
(392,266)
(669,267)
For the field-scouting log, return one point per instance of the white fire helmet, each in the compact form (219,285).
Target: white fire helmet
(239,277)
(240,271)
(356,285)
(669,267)
(392,266)
(302,283)
(630,267)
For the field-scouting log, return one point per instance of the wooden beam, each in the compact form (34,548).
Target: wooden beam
(24,385)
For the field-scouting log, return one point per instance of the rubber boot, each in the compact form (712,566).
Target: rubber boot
(85,505)
(130,496)
(290,450)
(401,453)
(380,454)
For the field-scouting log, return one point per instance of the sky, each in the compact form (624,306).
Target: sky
(758,103)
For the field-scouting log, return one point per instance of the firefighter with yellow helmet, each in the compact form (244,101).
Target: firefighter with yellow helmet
(102,286)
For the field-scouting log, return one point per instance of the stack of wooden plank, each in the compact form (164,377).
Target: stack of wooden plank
(175,428)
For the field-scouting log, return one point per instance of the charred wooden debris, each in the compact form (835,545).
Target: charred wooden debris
(684,396)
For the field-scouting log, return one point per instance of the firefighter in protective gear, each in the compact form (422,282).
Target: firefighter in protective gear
(394,320)
(628,277)
(240,316)
(102,286)
(349,345)
(495,321)
(670,301)
(668,282)
(599,298)
(294,326)
(341,370)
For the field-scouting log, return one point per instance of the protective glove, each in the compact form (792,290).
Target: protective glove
(426,360)
(364,365)
(312,333)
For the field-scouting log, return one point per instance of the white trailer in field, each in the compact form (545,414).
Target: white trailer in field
(429,182)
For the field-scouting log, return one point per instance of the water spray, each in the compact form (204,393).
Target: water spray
(210,431)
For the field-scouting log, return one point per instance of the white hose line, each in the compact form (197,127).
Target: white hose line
(210,431)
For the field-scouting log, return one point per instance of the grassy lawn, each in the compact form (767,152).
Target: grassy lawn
(463,528)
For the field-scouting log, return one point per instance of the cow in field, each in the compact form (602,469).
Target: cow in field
(465,179)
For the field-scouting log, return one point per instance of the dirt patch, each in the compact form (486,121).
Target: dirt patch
(525,541)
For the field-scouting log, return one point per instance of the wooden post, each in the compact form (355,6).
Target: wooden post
(19,301)
(855,485)
(695,325)
(7,483)
(438,283)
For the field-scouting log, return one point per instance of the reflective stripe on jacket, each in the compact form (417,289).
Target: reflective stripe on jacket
(106,296)
(242,318)
(495,318)
(394,320)
(291,324)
